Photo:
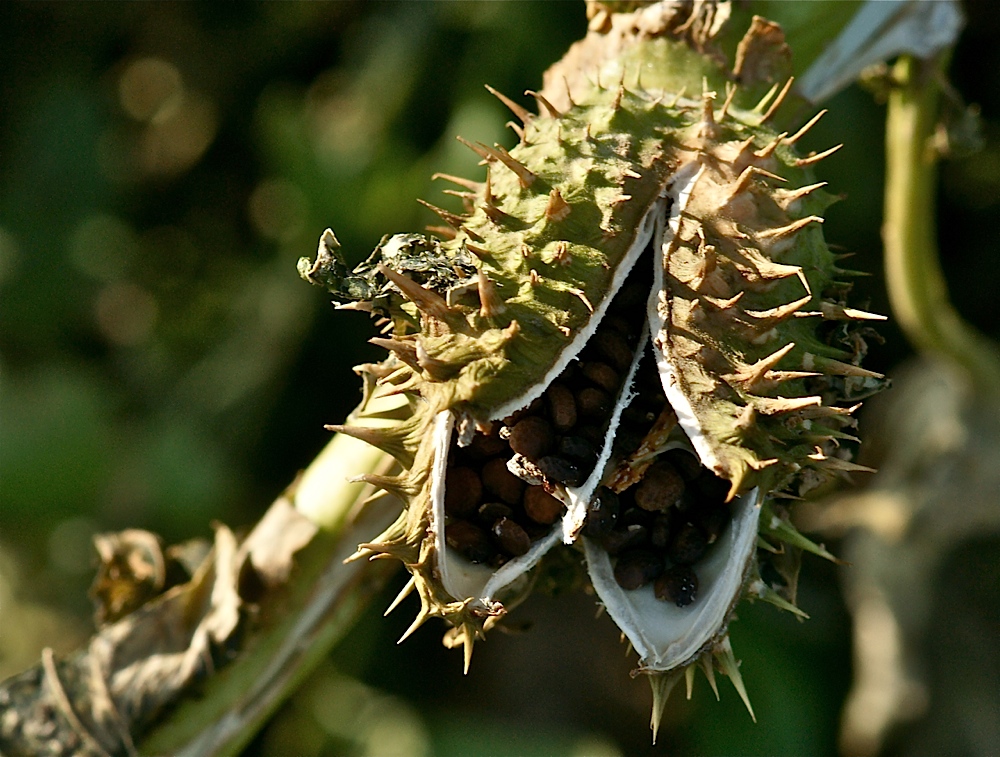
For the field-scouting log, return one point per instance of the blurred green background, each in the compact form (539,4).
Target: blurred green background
(163,166)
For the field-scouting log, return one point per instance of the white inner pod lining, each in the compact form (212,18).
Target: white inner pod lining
(664,635)
(461,578)
(578,498)
(571,350)
(657,308)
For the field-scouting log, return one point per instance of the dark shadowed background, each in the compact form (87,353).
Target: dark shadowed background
(162,168)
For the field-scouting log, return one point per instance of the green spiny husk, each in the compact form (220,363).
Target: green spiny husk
(757,350)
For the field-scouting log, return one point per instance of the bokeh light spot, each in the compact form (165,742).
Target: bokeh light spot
(277,209)
(101,246)
(150,89)
(126,313)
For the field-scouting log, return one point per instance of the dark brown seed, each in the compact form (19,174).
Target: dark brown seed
(531,437)
(534,530)
(687,544)
(611,346)
(638,416)
(511,538)
(562,471)
(485,446)
(678,584)
(632,295)
(593,434)
(491,512)
(603,375)
(462,491)
(659,531)
(501,482)
(688,503)
(619,540)
(686,464)
(711,487)
(660,488)
(562,407)
(470,541)
(637,568)
(619,324)
(578,449)
(627,440)
(713,519)
(630,516)
(541,506)
(602,513)
(532,409)
(593,403)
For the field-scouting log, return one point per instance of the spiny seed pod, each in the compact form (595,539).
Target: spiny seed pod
(637,317)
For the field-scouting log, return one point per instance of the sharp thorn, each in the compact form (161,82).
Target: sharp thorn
(445,232)
(619,93)
(490,304)
(569,92)
(808,125)
(472,186)
(759,107)
(524,175)
(557,208)
(479,149)
(835,367)
(785,197)
(426,300)
(777,100)
(480,252)
(543,103)
(418,621)
(727,661)
(471,234)
(523,113)
(709,669)
(662,684)
(789,229)
(403,594)
(746,176)
(781,311)
(767,151)
(816,157)
(768,594)
(730,94)
(448,217)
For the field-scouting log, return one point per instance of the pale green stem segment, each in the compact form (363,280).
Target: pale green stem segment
(324,598)
(916,284)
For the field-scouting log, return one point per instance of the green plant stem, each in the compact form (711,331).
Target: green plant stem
(324,599)
(917,288)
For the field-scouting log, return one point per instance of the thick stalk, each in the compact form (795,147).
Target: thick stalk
(325,598)
(917,288)
(265,611)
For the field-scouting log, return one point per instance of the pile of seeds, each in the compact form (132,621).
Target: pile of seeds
(659,529)
(494,514)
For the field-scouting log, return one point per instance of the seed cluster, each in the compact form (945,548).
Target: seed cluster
(494,514)
(659,529)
